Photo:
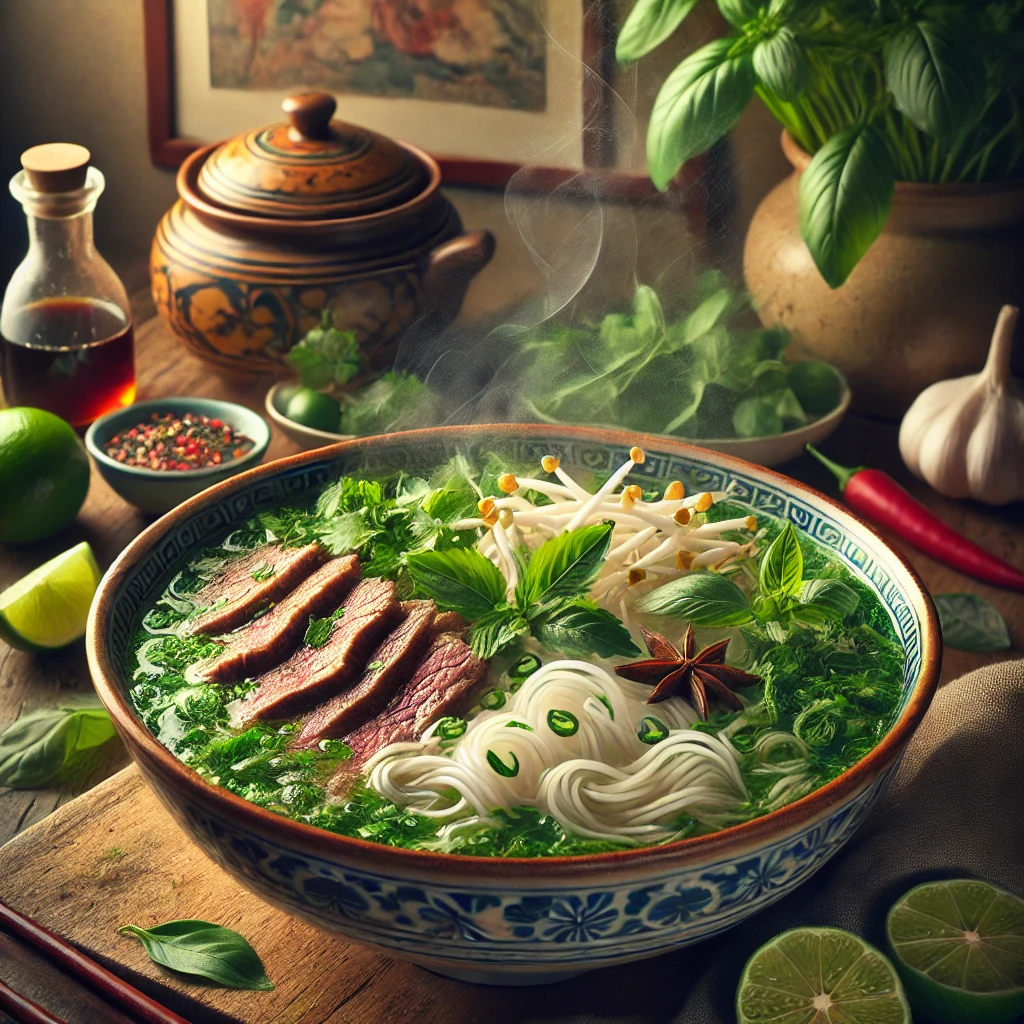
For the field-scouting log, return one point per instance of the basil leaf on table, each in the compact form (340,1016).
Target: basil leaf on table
(205,950)
(582,629)
(459,580)
(649,24)
(45,746)
(564,566)
(782,567)
(705,598)
(844,199)
(970,623)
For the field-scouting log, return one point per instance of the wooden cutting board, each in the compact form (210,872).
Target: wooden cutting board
(114,856)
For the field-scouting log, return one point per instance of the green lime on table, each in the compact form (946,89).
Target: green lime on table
(959,948)
(820,976)
(48,608)
(314,409)
(44,474)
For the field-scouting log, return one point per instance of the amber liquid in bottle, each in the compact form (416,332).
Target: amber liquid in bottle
(71,356)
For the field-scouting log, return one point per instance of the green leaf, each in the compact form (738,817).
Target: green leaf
(319,631)
(739,12)
(496,630)
(936,79)
(756,417)
(970,623)
(781,65)
(564,566)
(817,386)
(845,195)
(499,766)
(697,104)
(706,315)
(826,599)
(205,950)
(40,747)
(782,566)
(705,598)
(396,401)
(345,533)
(585,630)
(649,24)
(326,355)
(460,580)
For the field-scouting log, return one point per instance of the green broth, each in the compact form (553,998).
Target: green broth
(836,684)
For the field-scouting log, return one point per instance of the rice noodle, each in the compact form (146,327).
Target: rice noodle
(565,751)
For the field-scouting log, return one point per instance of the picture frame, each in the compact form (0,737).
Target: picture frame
(592,169)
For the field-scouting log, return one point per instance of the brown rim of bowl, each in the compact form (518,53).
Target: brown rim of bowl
(195,199)
(777,823)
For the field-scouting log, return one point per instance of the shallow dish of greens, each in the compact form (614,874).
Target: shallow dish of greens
(398,685)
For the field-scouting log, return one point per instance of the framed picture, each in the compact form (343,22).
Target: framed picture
(485,86)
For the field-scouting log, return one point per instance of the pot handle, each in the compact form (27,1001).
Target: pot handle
(448,272)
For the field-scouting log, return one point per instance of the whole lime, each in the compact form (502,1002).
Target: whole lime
(314,409)
(44,474)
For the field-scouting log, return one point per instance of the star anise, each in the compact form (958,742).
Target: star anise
(691,674)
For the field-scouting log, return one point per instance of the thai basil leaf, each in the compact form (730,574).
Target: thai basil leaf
(817,386)
(935,79)
(782,565)
(705,598)
(206,950)
(585,630)
(739,12)
(564,566)
(697,104)
(41,747)
(845,195)
(825,599)
(497,629)
(649,24)
(781,65)
(970,623)
(460,580)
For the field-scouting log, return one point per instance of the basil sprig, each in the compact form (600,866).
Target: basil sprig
(550,601)
(54,744)
(205,950)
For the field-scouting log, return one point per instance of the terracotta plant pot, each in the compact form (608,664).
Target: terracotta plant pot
(284,221)
(920,305)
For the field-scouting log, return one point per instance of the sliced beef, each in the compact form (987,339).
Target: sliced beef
(312,674)
(272,637)
(447,622)
(239,594)
(441,685)
(387,669)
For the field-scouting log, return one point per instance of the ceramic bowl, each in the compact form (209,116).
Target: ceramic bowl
(154,491)
(308,437)
(512,921)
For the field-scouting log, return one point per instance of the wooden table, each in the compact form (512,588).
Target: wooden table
(28,682)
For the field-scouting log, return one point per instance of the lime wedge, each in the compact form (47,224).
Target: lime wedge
(48,608)
(820,976)
(959,948)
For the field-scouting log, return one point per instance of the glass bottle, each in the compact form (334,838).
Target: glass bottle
(65,325)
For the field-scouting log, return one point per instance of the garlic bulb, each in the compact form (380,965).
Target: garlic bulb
(966,436)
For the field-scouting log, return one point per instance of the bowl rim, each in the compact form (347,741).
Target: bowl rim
(257,451)
(377,857)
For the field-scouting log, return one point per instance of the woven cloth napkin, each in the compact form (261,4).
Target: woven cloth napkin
(955,809)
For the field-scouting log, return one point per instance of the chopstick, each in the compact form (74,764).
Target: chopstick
(23,1011)
(63,955)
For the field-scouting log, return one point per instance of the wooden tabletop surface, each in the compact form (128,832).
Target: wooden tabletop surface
(28,682)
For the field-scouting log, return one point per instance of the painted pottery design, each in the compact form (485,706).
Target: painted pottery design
(281,222)
(919,306)
(512,921)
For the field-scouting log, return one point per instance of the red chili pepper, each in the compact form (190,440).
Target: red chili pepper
(878,497)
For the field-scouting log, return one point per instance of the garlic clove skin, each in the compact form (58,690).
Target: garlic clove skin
(966,436)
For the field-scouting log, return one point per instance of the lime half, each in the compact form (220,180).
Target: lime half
(820,976)
(48,608)
(959,948)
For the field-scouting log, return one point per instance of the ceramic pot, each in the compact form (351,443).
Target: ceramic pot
(284,221)
(920,305)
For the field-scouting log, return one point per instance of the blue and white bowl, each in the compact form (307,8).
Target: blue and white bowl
(512,921)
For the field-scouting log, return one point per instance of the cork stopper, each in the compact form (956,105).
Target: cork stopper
(56,166)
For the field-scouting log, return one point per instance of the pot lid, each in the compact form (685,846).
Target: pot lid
(311,167)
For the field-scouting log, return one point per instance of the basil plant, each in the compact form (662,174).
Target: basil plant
(878,91)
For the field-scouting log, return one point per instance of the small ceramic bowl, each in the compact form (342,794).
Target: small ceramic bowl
(308,437)
(157,491)
(512,921)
